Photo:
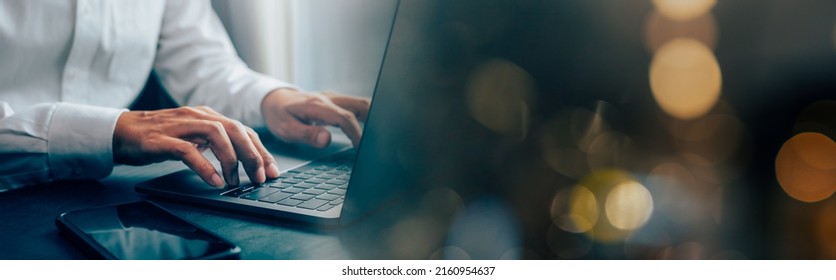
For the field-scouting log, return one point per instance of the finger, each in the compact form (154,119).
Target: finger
(357,105)
(293,131)
(213,134)
(246,150)
(328,113)
(271,169)
(188,153)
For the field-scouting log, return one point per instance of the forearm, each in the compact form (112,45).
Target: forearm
(55,141)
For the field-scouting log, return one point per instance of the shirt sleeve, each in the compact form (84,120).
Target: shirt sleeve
(198,65)
(55,141)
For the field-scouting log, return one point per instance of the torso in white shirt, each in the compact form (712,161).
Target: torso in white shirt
(87,51)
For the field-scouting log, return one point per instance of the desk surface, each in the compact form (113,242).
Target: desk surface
(27,217)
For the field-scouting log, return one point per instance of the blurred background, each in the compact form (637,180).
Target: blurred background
(601,129)
(317,44)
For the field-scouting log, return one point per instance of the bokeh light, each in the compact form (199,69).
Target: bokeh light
(587,125)
(567,138)
(574,210)
(608,150)
(683,10)
(498,93)
(685,78)
(806,167)
(413,237)
(629,205)
(659,30)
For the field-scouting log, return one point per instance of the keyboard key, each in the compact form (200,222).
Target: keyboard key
(303,176)
(337,182)
(336,172)
(275,197)
(259,193)
(302,196)
(236,192)
(293,190)
(326,176)
(325,207)
(328,196)
(291,181)
(322,168)
(277,185)
(325,186)
(343,186)
(337,191)
(305,185)
(343,177)
(314,191)
(312,204)
(315,181)
(290,202)
(337,201)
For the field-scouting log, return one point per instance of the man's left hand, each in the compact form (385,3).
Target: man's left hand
(297,117)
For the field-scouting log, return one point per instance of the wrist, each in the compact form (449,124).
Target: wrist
(274,98)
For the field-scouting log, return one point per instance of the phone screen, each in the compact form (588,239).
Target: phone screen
(144,231)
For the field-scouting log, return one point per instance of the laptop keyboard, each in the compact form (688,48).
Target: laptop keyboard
(320,185)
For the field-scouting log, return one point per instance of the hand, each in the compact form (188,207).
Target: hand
(143,137)
(295,117)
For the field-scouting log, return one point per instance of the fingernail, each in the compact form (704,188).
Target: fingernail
(216,181)
(272,170)
(259,175)
(322,138)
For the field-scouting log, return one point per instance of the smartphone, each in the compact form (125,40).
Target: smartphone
(141,230)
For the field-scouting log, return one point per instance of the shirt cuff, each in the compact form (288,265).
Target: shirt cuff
(255,93)
(80,141)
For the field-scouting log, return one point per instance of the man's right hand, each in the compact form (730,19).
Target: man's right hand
(144,137)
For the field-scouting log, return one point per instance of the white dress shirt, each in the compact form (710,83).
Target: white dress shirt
(69,68)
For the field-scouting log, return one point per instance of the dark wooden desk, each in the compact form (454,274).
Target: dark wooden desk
(27,217)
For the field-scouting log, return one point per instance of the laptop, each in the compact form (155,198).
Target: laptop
(325,191)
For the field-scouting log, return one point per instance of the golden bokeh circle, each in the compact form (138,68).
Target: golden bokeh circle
(685,78)
(684,10)
(806,167)
(614,194)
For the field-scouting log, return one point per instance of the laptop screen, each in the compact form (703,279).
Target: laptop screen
(608,129)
